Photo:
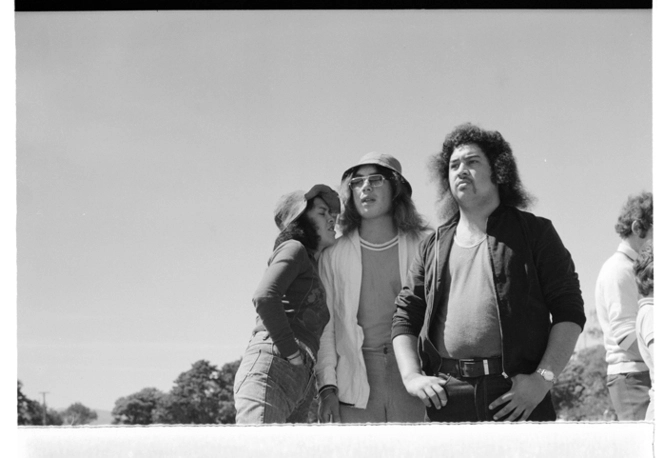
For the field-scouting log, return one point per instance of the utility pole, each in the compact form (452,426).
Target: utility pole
(44,393)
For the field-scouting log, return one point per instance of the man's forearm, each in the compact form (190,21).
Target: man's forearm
(405,351)
(562,340)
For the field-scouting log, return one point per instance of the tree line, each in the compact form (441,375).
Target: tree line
(31,412)
(201,395)
(204,395)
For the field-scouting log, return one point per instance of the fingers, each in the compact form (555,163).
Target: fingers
(334,416)
(435,395)
(514,410)
(328,410)
(431,392)
(515,414)
(501,400)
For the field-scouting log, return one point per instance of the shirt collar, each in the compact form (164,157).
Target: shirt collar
(627,250)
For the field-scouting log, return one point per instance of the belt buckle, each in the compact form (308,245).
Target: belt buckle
(461,366)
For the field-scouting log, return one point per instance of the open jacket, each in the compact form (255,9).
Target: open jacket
(340,360)
(534,277)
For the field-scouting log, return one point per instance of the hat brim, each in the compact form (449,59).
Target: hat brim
(326,193)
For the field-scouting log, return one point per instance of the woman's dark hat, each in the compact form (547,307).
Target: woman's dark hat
(290,206)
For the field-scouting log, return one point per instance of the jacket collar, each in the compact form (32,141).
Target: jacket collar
(454,219)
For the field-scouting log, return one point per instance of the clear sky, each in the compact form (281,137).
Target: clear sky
(152,147)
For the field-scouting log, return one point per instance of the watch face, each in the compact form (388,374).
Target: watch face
(547,374)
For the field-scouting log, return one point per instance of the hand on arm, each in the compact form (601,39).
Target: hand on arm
(528,390)
(428,389)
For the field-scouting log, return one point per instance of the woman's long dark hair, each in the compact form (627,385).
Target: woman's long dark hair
(303,229)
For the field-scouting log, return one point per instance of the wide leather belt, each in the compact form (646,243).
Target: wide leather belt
(471,367)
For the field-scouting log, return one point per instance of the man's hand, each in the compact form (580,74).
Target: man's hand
(526,393)
(328,408)
(428,388)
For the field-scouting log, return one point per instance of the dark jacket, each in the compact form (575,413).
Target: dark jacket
(536,287)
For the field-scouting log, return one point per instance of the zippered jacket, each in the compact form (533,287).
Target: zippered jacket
(533,274)
(340,360)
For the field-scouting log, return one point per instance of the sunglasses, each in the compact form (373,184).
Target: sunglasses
(375,181)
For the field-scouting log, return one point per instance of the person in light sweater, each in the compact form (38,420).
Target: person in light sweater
(616,302)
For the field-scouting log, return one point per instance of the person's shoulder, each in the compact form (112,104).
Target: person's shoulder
(528,217)
(290,248)
(340,246)
(616,267)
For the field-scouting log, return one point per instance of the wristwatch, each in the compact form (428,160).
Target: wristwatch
(546,374)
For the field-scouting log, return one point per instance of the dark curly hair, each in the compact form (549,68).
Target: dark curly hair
(644,269)
(303,229)
(504,171)
(404,213)
(637,208)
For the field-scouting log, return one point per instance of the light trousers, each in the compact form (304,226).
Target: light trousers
(388,399)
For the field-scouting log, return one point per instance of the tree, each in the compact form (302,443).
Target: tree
(53,417)
(138,408)
(78,414)
(227,378)
(201,395)
(581,392)
(29,411)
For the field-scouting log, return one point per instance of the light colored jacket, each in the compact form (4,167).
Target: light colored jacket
(340,360)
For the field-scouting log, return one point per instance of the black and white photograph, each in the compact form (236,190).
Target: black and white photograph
(381,232)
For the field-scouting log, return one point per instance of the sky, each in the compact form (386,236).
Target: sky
(151,148)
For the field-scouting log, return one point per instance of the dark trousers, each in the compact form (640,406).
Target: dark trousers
(469,399)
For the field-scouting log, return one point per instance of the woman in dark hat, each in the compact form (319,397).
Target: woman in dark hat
(275,382)
(362,274)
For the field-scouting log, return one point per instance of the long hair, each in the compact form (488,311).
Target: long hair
(504,172)
(404,214)
(637,208)
(303,229)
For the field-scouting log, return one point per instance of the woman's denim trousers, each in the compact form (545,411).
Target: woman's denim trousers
(269,389)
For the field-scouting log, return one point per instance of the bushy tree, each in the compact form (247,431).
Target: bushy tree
(78,414)
(581,393)
(53,417)
(29,411)
(201,395)
(138,408)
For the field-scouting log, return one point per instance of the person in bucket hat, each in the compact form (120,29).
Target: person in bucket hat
(275,382)
(358,378)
